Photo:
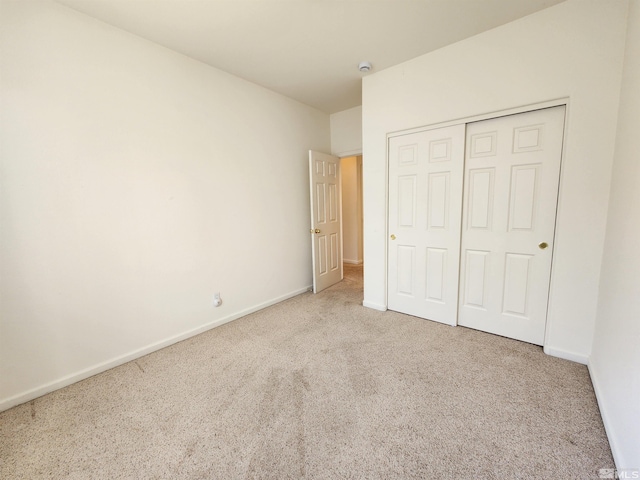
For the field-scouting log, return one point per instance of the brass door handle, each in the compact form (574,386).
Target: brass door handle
(543,245)
(317,230)
(393,237)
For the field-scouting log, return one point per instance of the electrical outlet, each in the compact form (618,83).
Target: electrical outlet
(217,301)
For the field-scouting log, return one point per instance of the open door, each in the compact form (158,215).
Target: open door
(326,222)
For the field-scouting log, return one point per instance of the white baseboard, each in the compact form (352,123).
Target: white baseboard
(566,355)
(352,262)
(375,306)
(114,362)
(606,416)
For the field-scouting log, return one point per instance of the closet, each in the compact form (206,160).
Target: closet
(472,210)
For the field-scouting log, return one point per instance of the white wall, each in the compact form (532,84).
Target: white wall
(575,50)
(136,182)
(351,174)
(615,361)
(346,132)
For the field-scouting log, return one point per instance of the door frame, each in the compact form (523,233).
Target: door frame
(476,118)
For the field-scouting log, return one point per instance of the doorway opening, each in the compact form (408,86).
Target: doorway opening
(352,226)
(336,200)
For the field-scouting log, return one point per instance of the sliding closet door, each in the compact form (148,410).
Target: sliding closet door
(425,207)
(512,171)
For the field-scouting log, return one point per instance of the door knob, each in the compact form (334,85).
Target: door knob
(311,230)
(317,230)
(393,237)
(543,245)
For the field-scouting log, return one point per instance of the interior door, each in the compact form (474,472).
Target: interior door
(326,224)
(425,208)
(512,171)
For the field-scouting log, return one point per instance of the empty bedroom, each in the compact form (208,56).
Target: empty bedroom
(319,239)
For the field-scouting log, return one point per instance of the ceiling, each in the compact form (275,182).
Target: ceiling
(308,50)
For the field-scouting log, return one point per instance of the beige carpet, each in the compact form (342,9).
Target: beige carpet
(319,387)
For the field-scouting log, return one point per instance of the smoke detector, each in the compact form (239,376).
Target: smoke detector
(364,67)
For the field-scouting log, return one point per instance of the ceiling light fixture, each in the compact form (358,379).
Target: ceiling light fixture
(364,67)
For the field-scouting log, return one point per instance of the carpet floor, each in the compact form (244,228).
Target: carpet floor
(319,387)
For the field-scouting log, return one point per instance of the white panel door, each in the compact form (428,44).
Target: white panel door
(326,224)
(425,207)
(512,172)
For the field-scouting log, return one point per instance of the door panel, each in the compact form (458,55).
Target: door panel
(512,171)
(425,208)
(523,197)
(517,285)
(480,198)
(326,223)
(436,273)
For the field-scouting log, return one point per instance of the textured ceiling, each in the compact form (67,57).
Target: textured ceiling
(308,50)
